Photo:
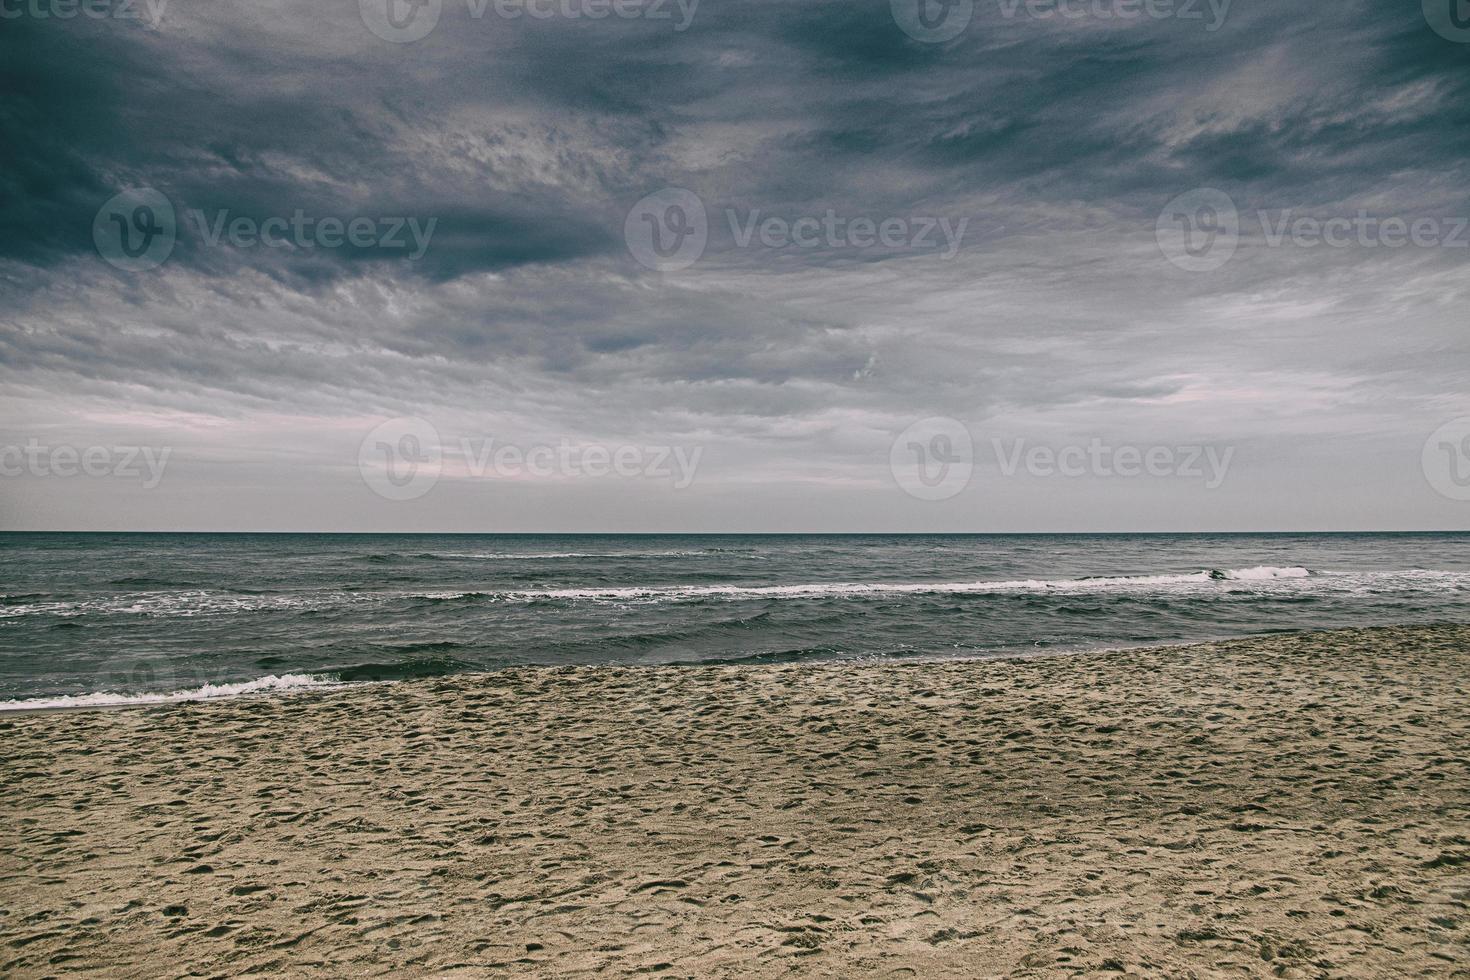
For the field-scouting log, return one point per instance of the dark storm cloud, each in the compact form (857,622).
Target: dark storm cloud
(525,143)
(92,109)
(239,123)
(59,101)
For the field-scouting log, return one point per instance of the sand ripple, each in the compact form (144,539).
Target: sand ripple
(1294,806)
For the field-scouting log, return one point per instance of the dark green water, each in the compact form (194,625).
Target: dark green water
(130,615)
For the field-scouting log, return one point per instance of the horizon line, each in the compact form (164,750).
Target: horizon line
(888,534)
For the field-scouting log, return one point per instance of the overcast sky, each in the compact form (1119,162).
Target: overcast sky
(979,223)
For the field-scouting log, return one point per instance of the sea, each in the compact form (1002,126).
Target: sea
(99,619)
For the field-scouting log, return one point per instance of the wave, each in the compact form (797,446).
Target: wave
(1263,578)
(379,558)
(687,633)
(149,580)
(1206,577)
(338,676)
(108,699)
(1259,573)
(556,555)
(192,602)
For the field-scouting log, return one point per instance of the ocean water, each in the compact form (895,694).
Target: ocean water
(118,618)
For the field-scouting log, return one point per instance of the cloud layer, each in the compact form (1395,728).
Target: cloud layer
(816,323)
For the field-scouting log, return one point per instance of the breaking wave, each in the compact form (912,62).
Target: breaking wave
(1273,579)
(109,699)
(1141,583)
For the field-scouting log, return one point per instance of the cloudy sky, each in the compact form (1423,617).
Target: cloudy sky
(734,265)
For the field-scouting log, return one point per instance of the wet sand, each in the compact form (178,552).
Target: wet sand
(1293,806)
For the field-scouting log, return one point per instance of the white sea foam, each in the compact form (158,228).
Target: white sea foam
(549,555)
(1260,579)
(192,603)
(1265,572)
(1124,583)
(106,699)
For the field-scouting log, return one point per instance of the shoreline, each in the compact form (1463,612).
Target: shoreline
(1281,805)
(328,684)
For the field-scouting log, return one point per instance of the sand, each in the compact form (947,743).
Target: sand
(1293,806)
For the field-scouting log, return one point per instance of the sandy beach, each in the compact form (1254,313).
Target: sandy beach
(1293,806)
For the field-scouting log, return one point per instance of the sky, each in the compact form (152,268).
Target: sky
(734,265)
